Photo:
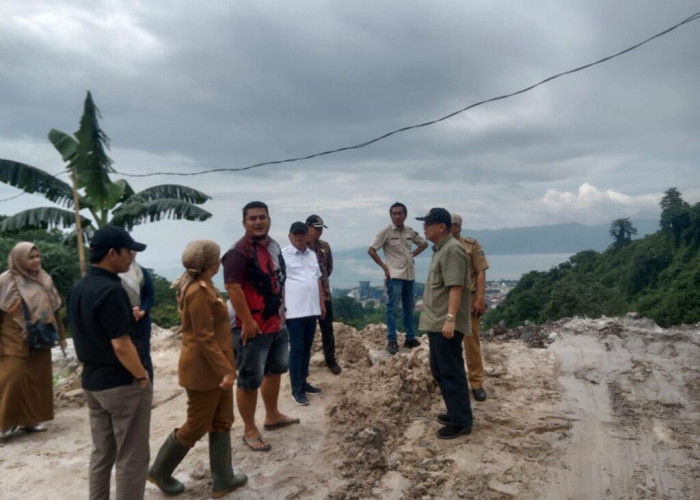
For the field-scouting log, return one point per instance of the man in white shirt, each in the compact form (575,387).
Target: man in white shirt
(304,304)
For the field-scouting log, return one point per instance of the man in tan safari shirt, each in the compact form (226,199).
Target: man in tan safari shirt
(397,241)
(477,272)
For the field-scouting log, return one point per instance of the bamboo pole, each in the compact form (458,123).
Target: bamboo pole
(78,224)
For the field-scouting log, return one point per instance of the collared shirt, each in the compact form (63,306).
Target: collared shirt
(397,245)
(99,311)
(301,296)
(259,268)
(477,259)
(325,263)
(449,267)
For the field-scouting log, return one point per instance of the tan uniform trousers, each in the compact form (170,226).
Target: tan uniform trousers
(472,353)
(207,411)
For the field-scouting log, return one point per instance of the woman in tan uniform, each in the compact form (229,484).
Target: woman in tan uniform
(26,385)
(207,372)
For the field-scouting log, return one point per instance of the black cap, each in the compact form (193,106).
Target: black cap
(298,227)
(114,237)
(315,221)
(436,216)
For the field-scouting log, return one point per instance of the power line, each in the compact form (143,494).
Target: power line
(694,17)
(364,144)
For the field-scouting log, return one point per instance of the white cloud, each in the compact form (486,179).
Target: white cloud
(589,205)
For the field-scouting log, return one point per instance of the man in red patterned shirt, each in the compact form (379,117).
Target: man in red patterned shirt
(254,275)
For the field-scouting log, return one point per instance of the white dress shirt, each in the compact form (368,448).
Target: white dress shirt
(301,288)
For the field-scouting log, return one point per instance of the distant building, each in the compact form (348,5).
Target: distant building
(365,290)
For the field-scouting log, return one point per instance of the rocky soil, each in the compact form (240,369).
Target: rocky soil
(577,408)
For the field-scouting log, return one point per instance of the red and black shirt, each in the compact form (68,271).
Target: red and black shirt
(259,268)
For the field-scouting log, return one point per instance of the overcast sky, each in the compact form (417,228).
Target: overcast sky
(186,87)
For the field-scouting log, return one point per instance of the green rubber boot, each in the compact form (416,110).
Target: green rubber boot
(222,473)
(169,456)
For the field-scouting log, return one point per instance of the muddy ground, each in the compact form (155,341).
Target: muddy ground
(578,408)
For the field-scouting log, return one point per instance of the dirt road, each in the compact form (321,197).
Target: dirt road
(609,409)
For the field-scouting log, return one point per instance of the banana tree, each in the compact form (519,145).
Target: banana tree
(107,201)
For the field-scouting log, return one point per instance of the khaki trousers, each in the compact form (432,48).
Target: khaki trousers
(472,353)
(120,420)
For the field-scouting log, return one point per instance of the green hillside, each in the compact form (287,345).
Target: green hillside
(657,276)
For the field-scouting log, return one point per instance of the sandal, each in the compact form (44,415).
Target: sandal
(256,444)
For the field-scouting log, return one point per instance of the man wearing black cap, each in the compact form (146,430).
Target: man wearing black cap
(303,298)
(116,384)
(325,262)
(446,317)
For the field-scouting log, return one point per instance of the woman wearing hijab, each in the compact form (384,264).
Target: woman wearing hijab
(206,370)
(26,385)
(139,287)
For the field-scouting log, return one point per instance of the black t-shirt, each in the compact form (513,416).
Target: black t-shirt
(99,311)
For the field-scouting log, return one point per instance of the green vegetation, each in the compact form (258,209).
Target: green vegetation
(657,276)
(351,312)
(164,312)
(58,258)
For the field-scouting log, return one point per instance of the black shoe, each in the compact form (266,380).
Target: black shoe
(334,368)
(392,348)
(300,398)
(451,431)
(479,394)
(411,343)
(310,389)
(443,419)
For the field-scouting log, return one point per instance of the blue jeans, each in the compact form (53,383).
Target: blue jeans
(447,368)
(403,289)
(301,337)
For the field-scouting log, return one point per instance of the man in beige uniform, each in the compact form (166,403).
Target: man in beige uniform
(477,271)
(397,241)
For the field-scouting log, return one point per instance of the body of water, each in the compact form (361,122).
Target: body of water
(348,272)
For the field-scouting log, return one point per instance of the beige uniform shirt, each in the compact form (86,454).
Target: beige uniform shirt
(398,250)
(448,268)
(477,259)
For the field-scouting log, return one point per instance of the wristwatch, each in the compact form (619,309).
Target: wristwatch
(450,318)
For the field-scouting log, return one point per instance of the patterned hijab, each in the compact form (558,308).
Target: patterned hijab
(35,287)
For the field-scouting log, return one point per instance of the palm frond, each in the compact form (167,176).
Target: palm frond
(40,218)
(127,190)
(136,212)
(174,191)
(64,143)
(35,180)
(92,163)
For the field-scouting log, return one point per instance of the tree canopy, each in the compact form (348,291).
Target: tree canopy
(657,276)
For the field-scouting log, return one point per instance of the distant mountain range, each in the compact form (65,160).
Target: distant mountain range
(559,238)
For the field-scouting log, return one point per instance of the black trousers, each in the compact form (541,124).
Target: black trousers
(327,337)
(447,367)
